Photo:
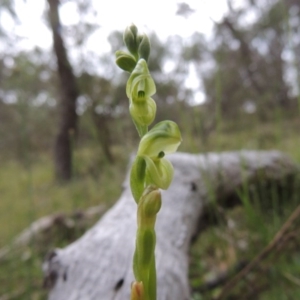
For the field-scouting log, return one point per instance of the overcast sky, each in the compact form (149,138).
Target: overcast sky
(159,16)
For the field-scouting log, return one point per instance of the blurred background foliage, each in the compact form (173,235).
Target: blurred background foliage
(237,89)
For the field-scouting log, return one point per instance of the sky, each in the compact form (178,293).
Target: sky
(158,16)
(116,15)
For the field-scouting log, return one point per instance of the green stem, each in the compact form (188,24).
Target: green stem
(152,280)
(144,260)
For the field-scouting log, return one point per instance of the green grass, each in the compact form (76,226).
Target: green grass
(244,233)
(247,133)
(29,192)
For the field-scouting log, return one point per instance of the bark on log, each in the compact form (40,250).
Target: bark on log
(98,265)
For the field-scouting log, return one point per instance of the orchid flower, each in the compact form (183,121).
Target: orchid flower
(139,89)
(150,167)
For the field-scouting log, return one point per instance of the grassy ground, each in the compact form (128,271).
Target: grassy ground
(28,191)
(244,233)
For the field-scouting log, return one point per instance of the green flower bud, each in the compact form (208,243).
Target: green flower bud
(163,137)
(134,30)
(144,47)
(130,39)
(125,61)
(140,84)
(152,204)
(143,112)
(148,207)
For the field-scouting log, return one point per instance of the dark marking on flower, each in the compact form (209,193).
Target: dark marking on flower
(141,94)
(161,154)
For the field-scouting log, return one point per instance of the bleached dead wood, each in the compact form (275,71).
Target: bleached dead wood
(42,225)
(98,265)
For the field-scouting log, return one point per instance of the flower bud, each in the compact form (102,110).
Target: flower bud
(143,112)
(150,203)
(133,29)
(130,39)
(144,47)
(125,61)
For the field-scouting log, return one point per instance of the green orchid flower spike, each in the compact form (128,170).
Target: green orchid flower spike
(150,171)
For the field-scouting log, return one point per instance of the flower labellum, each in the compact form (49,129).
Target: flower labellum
(140,83)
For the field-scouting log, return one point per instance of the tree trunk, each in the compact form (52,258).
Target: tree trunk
(99,264)
(103,132)
(68,94)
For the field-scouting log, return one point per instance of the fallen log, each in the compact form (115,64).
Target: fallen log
(44,224)
(98,265)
